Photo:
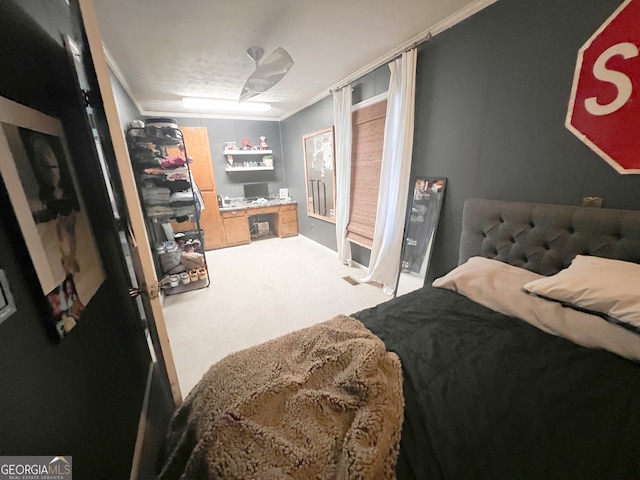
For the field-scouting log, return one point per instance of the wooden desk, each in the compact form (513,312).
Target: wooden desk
(235,222)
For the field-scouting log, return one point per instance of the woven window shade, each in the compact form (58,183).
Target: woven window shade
(366,158)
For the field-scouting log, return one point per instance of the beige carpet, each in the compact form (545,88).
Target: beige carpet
(258,292)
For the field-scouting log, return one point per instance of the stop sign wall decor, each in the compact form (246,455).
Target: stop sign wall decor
(604,108)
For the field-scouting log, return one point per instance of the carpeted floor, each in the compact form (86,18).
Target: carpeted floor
(258,292)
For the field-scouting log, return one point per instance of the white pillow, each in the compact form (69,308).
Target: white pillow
(498,286)
(600,285)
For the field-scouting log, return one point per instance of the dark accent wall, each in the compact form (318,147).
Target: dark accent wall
(491,100)
(81,397)
(220,131)
(316,117)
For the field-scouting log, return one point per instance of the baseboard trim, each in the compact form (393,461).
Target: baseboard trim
(354,263)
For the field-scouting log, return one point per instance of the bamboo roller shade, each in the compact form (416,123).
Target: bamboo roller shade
(366,159)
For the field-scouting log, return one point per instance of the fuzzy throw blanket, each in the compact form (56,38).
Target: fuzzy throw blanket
(324,402)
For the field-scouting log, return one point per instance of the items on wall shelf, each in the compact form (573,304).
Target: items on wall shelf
(254,163)
(168,194)
(255,160)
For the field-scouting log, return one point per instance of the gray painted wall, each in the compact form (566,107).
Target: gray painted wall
(220,131)
(316,117)
(492,95)
(491,99)
(127,110)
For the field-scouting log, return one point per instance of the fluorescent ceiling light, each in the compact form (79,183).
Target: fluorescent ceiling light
(224,105)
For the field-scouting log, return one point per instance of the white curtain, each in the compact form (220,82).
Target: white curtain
(395,173)
(342,120)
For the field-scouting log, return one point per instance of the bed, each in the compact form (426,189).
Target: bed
(521,363)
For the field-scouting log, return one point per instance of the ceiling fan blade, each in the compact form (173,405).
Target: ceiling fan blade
(267,74)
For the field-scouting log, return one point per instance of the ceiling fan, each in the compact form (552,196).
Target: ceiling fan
(267,73)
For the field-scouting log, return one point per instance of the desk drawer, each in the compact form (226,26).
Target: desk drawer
(288,216)
(234,213)
(288,229)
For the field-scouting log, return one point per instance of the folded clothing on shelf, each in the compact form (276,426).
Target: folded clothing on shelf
(159,212)
(175,162)
(177,185)
(160,180)
(181,199)
(146,155)
(184,211)
(156,195)
(180,173)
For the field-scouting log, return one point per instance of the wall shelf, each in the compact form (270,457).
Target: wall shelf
(233,166)
(248,152)
(246,169)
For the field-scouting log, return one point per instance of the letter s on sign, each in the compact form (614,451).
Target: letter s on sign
(619,79)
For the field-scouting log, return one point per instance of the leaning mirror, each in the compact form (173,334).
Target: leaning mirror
(320,174)
(423,214)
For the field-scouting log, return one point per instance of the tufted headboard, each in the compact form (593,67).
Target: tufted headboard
(545,238)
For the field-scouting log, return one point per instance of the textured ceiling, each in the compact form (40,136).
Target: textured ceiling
(164,50)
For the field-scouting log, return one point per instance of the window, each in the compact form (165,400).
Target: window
(366,158)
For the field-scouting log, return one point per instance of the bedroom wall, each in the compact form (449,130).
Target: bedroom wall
(491,99)
(220,131)
(81,397)
(127,110)
(316,117)
(492,95)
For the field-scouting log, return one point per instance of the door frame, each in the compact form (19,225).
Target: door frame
(138,232)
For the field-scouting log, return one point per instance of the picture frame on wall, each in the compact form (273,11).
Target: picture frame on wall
(43,191)
(320,174)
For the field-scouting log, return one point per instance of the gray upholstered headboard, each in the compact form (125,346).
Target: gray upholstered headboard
(545,238)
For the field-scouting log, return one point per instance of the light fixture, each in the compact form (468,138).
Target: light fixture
(219,105)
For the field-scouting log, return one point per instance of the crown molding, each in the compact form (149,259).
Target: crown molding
(118,74)
(423,36)
(413,42)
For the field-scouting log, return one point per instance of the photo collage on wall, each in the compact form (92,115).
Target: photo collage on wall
(43,191)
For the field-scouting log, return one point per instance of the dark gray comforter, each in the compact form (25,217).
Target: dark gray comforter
(491,397)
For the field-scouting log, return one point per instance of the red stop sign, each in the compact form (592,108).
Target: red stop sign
(604,109)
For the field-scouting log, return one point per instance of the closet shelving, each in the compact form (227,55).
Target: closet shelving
(168,194)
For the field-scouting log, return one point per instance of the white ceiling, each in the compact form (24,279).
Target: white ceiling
(163,50)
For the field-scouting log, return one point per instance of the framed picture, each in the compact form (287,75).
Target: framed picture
(43,191)
(320,174)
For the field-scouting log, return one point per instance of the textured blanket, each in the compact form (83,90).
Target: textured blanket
(324,402)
